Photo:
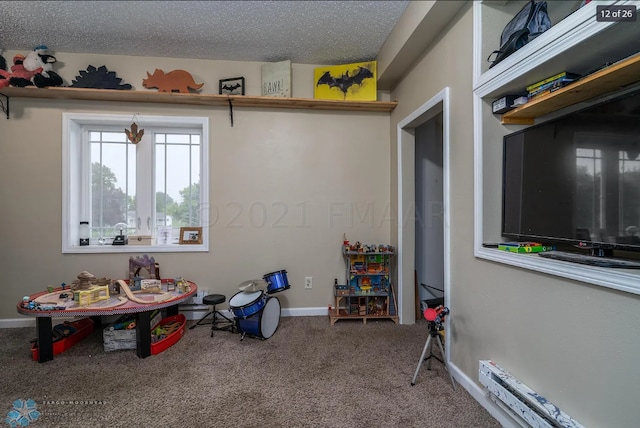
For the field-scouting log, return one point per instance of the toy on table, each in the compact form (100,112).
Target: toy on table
(88,289)
(182,284)
(92,295)
(157,296)
(139,265)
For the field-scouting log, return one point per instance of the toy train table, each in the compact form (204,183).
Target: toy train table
(57,304)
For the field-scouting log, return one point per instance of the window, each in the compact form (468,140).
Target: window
(607,182)
(589,209)
(151,188)
(629,192)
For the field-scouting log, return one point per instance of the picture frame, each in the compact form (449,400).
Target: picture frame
(232,86)
(191,235)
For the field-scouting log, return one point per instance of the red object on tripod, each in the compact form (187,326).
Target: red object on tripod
(430,314)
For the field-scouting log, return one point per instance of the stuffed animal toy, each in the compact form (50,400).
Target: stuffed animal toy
(4,75)
(4,78)
(20,76)
(40,58)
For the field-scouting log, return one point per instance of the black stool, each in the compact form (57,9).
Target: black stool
(213,300)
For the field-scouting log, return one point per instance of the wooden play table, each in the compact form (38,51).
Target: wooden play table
(115,305)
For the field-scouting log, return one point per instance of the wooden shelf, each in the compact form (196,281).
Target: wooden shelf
(362,302)
(196,99)
(609,79)
(341,314)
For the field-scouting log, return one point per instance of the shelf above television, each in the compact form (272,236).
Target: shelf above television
(607,80)
(196,99)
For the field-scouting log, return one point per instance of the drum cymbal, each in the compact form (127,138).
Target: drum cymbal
(252,284)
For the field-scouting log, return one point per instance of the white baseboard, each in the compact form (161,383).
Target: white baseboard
(480,396)
(305,312)
(17,322)
(285,312)
(192,313)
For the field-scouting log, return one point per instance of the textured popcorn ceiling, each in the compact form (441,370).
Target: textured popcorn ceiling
(305,32)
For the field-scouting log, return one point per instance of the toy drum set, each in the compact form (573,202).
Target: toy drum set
(256,312)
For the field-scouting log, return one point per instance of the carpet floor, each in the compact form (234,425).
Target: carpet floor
(308,374)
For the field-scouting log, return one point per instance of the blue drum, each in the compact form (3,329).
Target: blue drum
(244,304)
(276,281)
(264,323)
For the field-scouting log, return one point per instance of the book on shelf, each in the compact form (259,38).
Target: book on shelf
(551,86)
(563,75)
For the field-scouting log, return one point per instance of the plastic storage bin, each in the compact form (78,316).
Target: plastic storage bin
(84,327)
(173,337)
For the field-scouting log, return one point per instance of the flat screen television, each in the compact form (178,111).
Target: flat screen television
(574,181)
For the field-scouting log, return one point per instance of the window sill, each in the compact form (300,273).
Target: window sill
(106,249)
(626,280)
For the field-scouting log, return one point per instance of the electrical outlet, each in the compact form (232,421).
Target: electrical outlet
(197,299)
(308,283)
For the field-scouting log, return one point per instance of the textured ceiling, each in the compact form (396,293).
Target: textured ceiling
(305,32)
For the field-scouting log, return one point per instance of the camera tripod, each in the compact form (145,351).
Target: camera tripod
(434,335)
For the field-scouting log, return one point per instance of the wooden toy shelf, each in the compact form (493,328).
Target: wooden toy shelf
(368,293)
(609,79)
(386,300)
(195,99)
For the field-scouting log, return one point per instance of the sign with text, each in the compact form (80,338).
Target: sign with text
(276,79)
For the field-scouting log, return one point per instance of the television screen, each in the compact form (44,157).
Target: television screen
(575,180)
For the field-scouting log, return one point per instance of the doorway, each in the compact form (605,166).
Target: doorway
(424,134)
(429,221)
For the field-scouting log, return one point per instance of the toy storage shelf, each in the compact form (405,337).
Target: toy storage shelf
(64,93)
(368,293)
(612,78)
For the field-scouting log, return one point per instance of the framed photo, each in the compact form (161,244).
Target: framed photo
(233,86)
(191,235)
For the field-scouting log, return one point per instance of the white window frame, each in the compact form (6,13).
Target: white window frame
(73,186)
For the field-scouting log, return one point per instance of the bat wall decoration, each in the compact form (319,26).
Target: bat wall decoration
(233,86)
(346,82)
